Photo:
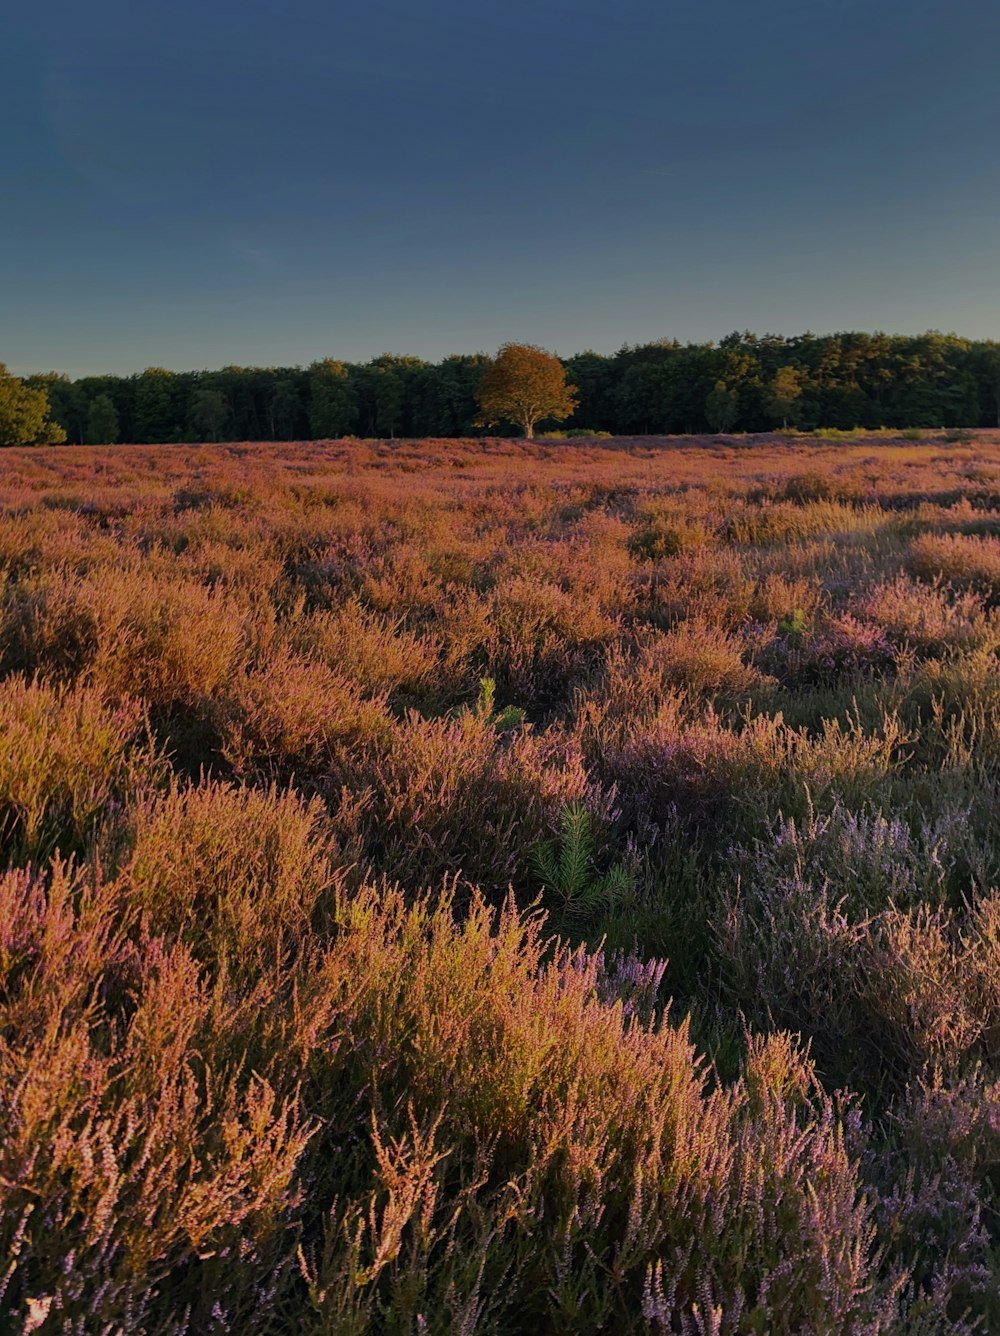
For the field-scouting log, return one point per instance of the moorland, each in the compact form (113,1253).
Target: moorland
(491,886)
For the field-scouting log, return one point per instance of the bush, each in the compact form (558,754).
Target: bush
(286,1043)
(68,762)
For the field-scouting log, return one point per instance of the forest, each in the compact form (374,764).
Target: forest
(745,383)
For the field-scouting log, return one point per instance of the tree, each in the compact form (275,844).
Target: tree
(64,398)
(722,407)
(102,421)
(208,413)
(785,391)
(987,366)
(286,413)
(525,384)
(24,414)
(156,417)
(332,406)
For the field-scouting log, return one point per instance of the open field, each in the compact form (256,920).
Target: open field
(308,755)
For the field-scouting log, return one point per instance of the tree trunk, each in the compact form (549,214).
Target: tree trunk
(529,428)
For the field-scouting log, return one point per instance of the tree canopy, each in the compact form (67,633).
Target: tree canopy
(525,384)
(24,413)
(746,382)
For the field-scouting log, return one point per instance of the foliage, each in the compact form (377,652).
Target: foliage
(785,393)
(722,407)
(837,385)
(24,413)
(363,805)
(566,866)
(102,421)
(524,384)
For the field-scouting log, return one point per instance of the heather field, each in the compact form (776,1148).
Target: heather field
(488,887)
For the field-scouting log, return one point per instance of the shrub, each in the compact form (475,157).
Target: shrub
(168,643)
(964,561)
(620,1194)
(374,654)
(68,762)
(138,1189)
(461,794)
(701,658)
(295,717)
(929,619)
(287,1045)
(236,874)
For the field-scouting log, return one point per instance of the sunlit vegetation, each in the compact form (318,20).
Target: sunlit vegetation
(836,385)
(479,886)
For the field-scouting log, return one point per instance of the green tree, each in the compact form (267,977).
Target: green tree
(102,421)
(388,392)
(722,407)
(208,413)
(525,384)
(24,414)
(64,399)
(332,405)
(785,391)
(155,408)
(286,413)
(986,364)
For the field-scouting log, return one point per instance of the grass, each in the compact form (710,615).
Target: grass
(490,887)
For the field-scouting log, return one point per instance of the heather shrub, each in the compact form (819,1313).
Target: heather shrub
(463,795)
(170,643)
(841,647)
(964,561)
(883,992)
(374,654)
(295,717)
(791,521)
(712,584)
(606,1124)
(248,571)
(935,1180)
(138,1189)
(865,860)
(929,619)
(806,488)
(239,875)
(952,706)
(695,764)
(68,762)
(665,535)
(540,637)
(288,1045)
(776,597)
(700,658)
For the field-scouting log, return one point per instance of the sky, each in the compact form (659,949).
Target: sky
(268,182)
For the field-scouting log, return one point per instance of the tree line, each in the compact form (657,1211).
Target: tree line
(745,382)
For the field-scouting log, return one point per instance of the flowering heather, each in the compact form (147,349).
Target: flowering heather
(479,886)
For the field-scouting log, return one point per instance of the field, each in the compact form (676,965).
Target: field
(482,886)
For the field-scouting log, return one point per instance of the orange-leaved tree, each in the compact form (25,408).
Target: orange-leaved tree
(524,384)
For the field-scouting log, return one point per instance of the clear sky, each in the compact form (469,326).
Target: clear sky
(270,181)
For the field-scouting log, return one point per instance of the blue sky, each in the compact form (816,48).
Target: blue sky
(196,184)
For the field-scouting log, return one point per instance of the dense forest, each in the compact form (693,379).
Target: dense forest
(744,383)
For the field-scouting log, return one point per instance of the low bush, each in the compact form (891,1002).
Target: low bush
(364,804)
(963,561)
(69,761)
